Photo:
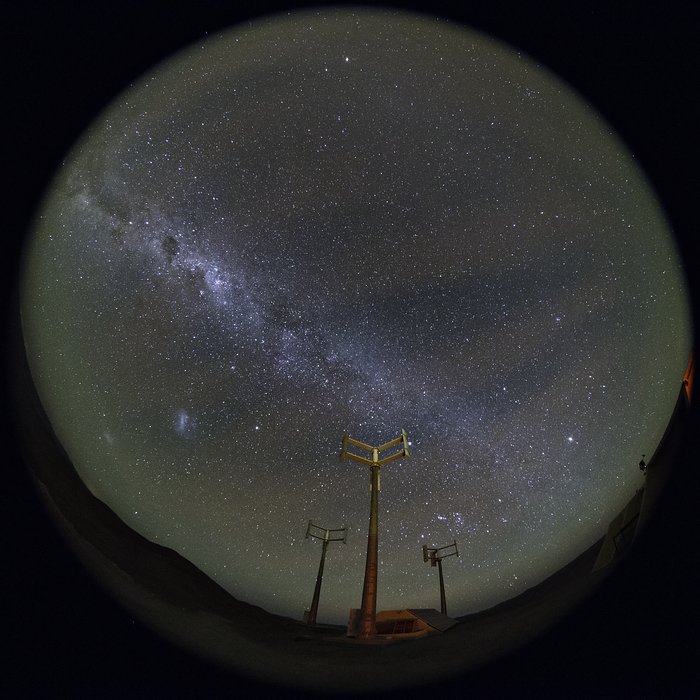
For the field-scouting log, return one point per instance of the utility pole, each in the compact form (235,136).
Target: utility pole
(327,536)
(436,555)
(366,628)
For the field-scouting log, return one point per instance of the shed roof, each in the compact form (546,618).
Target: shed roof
(433,618)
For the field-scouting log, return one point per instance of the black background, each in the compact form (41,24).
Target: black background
(637,63)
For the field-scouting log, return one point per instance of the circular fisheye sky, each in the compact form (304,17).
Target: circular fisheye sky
(356,221)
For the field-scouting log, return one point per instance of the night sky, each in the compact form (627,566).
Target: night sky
(360,222)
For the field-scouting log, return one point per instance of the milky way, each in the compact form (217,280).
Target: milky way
(356,221)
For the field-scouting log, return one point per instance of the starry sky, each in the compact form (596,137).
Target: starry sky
(356,221)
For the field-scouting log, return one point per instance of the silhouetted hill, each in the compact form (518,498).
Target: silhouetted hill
(99,535)
(557,585)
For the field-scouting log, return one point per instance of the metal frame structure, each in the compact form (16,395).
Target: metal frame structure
(435,555)
(366,626)
(327,536)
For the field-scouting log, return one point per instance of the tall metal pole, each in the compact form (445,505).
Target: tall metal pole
(366,625)
(368,608)
(313,531)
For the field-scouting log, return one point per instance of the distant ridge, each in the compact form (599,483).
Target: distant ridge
(551,588)
(86,520)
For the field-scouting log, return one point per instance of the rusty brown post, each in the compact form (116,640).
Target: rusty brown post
(366,624)
(368,608)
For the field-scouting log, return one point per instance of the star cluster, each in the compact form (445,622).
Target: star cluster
(360,221)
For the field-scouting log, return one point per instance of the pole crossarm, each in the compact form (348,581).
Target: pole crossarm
(323,533)
(358,458)
(374,451)
(391,458)
(436,554)
(347,440)
(393,442)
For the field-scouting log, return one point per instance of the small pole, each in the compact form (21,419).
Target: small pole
(435,555)
(312,531)
(317,590)
(443,601)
